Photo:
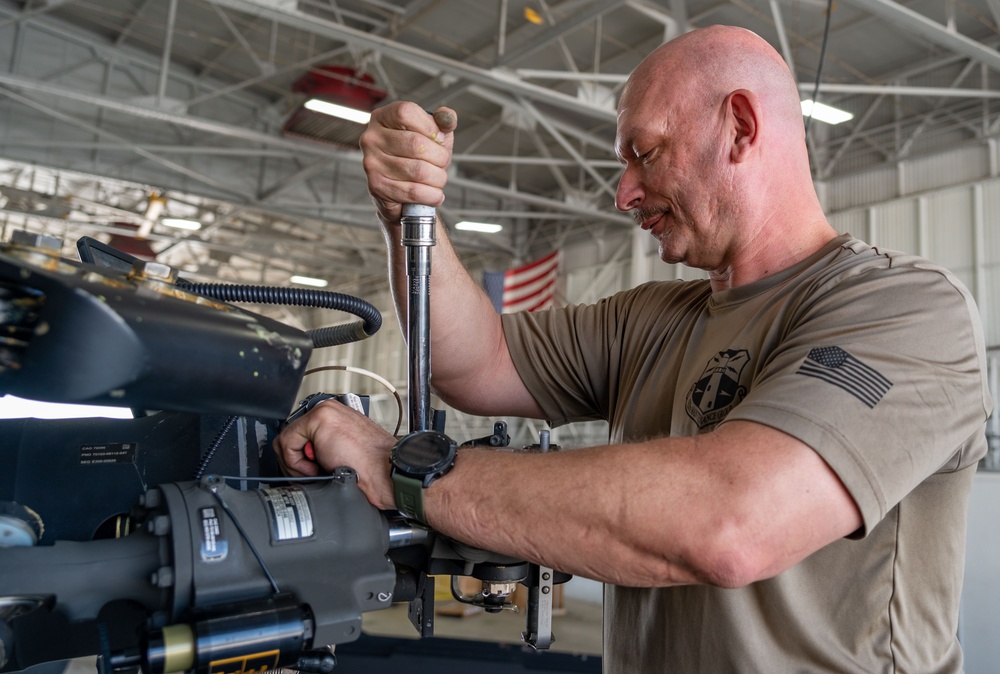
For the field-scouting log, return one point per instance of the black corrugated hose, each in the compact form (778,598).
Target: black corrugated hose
(301,297)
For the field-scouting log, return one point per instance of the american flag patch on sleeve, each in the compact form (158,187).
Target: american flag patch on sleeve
(835,366)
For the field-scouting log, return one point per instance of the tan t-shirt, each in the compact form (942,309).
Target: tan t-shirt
(876,360)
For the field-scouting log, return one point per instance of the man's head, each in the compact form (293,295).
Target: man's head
(711,135)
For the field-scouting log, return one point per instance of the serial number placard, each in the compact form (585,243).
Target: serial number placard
(112,452)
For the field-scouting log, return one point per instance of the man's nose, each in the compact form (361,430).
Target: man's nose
(629,193)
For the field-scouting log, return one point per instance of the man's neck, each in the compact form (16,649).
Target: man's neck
(765,256)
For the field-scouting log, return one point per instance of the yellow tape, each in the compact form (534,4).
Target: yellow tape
(178,648)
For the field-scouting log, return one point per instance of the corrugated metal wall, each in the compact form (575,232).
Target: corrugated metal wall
(957,227)
(959,166)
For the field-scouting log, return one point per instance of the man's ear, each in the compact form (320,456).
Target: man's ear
(743,113)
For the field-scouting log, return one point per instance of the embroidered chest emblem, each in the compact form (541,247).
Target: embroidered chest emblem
(718,388)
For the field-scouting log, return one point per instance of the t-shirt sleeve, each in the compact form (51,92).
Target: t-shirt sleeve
(884,377)
(563,357)
(572,359)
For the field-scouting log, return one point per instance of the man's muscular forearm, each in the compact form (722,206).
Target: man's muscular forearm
(663,512)
(471,369)
(407,153)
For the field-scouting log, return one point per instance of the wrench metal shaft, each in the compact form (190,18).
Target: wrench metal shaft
(418,223)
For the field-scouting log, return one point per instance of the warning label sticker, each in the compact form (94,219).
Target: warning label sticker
(112,452)
(214,546)
(290,514)
(258,663)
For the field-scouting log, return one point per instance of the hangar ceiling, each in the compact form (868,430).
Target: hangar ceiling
(116,113)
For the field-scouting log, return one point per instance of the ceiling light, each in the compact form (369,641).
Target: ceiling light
(825,113)
(309,281)
(485,227)
(155,206)
(181,223)
(334,110)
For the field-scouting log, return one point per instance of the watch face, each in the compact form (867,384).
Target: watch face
(423,452)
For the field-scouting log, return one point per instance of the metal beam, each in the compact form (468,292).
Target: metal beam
(531,74)
(855,132)
(898,90)
(166,163)
(302,175)
(188,121)
(904,149)
(565,26)
(168,40)
(669,22)
(262,68)
(302,147)
(994,6)
(569,149)
(930,30)
(544,202)
(497,79)
(678,8)
(28,14)
(779,25)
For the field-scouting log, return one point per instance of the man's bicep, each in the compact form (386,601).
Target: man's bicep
(510,394)
(493,388)
(563,359)
(791,498)
(887,401)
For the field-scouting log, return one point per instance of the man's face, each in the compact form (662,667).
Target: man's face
(673,176)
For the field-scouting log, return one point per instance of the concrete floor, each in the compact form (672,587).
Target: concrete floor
(577,630)
(576,627)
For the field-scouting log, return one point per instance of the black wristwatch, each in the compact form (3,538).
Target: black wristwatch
(417,460)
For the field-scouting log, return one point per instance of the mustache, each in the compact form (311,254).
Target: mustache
(640,215)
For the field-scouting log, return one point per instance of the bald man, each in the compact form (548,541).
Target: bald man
(792,441)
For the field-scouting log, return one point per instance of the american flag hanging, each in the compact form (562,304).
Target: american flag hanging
(530,287)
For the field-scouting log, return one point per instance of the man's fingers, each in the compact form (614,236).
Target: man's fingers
(406,131)
(292,450)
(446,119)
(406,156)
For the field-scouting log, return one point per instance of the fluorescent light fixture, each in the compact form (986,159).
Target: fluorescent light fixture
(309,281)
(181,223)
(12,407)
(825,113)
(334,110)
(485,227)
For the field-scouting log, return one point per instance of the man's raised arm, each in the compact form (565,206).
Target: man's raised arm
(406,157)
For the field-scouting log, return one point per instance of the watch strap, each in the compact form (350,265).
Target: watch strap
(409,493)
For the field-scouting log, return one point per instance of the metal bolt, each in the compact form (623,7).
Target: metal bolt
(346,475)
(546,589)
(159,525)
(162,577)
(156,271)
(23,238)
(150,499)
